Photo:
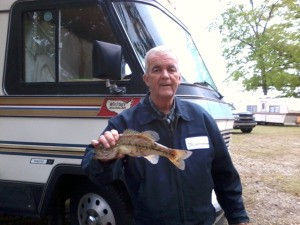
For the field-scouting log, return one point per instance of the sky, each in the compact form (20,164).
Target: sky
(197,17)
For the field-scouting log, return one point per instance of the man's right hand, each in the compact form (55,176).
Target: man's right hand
(107,139)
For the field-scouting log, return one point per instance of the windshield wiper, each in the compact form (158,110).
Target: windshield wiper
(205,83)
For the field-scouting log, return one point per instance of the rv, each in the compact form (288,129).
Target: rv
(66,67)
(281,111)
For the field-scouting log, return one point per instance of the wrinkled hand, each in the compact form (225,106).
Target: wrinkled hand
(107,140)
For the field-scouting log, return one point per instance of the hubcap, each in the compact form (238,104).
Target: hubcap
(94,210)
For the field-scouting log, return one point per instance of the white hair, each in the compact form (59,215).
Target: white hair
(159,49)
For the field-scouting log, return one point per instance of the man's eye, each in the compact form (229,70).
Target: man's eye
(155,70)
(172,70)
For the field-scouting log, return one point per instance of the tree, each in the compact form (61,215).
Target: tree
(261,43)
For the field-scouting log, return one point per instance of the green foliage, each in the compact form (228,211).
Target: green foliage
(261,45)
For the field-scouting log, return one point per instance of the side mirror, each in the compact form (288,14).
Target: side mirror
(107,63)
(107,60)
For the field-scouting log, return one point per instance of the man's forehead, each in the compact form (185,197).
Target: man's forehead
(161,59)
(163,63)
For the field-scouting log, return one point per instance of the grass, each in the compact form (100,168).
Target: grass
(276,150)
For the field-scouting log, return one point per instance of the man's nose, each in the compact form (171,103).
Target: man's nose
(165,73)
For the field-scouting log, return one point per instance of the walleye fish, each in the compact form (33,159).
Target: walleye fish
(143,144)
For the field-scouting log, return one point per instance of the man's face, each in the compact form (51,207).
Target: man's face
(162,77)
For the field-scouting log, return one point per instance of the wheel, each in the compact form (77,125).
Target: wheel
(107,205)
(220,218)
(246,130)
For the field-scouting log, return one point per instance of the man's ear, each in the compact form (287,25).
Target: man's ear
(145,78)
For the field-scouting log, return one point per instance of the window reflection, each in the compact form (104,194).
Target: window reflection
(39,38)
(147,26)
(64,46)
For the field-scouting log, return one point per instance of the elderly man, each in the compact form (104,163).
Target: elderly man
(162,194)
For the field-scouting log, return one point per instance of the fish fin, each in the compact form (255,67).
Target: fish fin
(130,132)
(152,158)
(149,134)
(178,157)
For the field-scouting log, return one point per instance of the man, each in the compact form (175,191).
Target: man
(161,193)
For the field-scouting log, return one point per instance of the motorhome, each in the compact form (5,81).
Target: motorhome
(66,67)
(282,111)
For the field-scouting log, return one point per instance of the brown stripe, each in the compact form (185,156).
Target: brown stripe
(49,112)
(77,104)
(47,150)
(51,101)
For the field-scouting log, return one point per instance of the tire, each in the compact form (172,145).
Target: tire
(108,205)
(220,218)
(246,130)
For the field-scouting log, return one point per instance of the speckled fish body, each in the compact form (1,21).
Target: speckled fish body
(143,144)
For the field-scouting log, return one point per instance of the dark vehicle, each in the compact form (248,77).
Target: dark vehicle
(245,121)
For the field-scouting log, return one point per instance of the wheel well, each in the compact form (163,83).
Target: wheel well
(64,181)
(59,185)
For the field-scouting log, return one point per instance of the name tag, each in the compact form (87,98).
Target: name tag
(197,142)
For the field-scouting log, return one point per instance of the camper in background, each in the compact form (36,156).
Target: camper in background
(281,111)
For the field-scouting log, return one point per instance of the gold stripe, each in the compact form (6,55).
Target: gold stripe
(51,101)
(37,149)
(77,104)
(48,112)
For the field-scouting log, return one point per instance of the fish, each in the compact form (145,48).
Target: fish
(143,144)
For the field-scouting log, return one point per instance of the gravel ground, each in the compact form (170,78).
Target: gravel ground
(268,160)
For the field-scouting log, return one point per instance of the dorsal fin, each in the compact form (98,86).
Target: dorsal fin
(151,134)
(147,134)
(130,132)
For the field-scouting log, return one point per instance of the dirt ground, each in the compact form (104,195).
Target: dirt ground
(268,160)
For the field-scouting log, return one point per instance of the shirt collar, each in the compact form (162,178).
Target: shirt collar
(170,116)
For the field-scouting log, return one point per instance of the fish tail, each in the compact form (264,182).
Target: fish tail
(177,157)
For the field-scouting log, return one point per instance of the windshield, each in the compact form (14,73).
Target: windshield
(147,27)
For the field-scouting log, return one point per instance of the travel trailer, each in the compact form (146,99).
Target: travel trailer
(282,111)
(66,67)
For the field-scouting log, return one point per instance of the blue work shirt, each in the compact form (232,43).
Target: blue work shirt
(161,193)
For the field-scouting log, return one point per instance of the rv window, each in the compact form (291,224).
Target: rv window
(50,49)
(39,43)
(58,44)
